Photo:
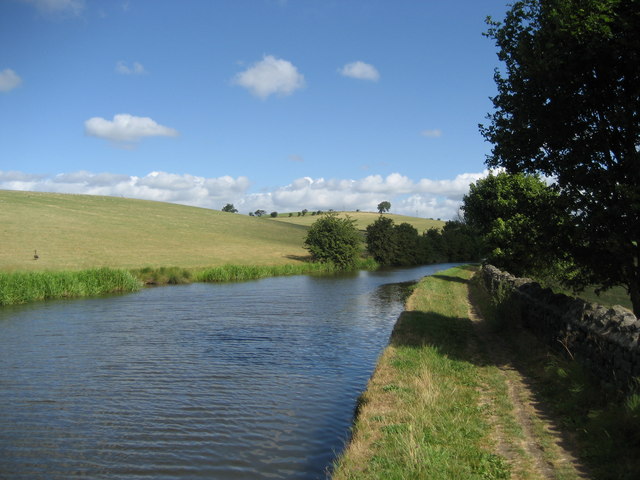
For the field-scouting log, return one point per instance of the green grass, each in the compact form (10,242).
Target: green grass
(604,421)
(421,416)
(74,232)
(362,220)
(24,287)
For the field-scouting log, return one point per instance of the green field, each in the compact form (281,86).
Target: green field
(362,220)
(73,232)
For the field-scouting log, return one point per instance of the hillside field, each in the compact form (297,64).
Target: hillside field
(362,220)
(71,232)
(84,231)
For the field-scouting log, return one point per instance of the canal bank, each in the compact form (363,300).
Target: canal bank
(446,402)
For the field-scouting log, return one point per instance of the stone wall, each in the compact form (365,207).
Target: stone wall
(605,340)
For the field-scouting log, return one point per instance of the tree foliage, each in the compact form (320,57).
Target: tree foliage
(336,240)
(568,106)
(517,216)
(384,207)
(402,245)
(229,208)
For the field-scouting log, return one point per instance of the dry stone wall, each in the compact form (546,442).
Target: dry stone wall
(605,340)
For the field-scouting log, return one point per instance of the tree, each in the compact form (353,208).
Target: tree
(383,207)
(229,208)
(567,106)
(381,241)
(260,213)
(274,214)
(335,240)
(518,217)
(304,212)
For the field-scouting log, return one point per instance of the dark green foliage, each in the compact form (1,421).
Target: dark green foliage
(402,245)
(519,217)
(229,208)
(260,213)
(384,207)
(407,239)
(274,214)
(335,240)
(381,241)
(568,106)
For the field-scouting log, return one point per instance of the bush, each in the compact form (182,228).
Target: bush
(335,240)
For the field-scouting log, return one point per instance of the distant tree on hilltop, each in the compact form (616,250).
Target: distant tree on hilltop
(229,208)
(384,207)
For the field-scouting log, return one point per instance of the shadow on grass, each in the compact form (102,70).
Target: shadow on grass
(479,344)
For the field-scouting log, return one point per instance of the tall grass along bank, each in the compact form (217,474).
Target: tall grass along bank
(24,287)
(233,273)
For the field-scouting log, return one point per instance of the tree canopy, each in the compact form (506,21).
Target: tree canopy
(229,208)
(518,218)
(384,207)
(568,106)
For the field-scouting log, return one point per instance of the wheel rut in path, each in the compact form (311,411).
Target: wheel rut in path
(541,451)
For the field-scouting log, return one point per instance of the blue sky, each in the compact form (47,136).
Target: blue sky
(268,104)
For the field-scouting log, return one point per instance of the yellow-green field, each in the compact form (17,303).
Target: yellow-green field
(362,220)
(72,232)
(83,231)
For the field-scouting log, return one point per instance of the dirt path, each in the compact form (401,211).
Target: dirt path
(541,452)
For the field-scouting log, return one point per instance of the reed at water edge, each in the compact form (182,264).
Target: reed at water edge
(24,287)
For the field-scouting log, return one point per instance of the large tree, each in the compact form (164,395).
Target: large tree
(568,106)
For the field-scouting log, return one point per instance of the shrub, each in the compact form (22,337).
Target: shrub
(335,240)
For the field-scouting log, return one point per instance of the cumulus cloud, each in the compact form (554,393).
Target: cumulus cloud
(423,197)
(126,128)
(135,69)
(270,76)
(9,80)
(431,133)
(361,71)
(74,7)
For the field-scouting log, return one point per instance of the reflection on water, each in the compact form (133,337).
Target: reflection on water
(242,380)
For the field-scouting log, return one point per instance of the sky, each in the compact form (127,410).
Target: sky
(278,105)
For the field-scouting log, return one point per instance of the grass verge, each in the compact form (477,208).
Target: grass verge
(604,422)
(24,287)
(421,416)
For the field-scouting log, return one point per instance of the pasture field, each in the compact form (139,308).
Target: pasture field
(71,232)
(362,220)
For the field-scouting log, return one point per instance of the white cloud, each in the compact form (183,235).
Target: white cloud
(431,133)
(9,80)
(361,71)
(135,69)
(126,128)
(58,6)
(423,198)
(270,76)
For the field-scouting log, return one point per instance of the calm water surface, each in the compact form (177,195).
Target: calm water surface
(205,381)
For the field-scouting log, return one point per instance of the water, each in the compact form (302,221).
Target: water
(206,381)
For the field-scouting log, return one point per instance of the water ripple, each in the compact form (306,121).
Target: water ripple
(248,380)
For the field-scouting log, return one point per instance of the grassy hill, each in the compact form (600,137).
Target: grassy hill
(83,231)
(362,220)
